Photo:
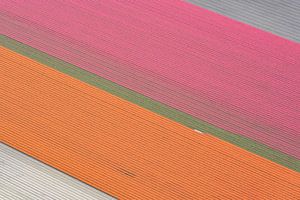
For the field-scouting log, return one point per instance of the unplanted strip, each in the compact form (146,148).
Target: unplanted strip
(23,177)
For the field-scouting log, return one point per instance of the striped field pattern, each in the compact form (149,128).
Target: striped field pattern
(150,104)
(206,70)
(156,99)
(82,128)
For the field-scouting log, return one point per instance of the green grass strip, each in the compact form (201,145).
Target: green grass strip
(150,104)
